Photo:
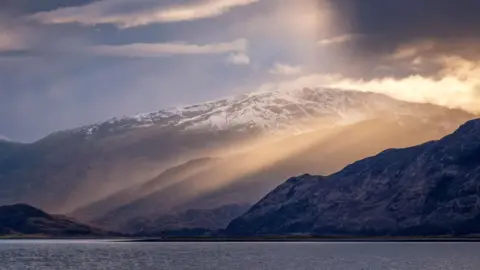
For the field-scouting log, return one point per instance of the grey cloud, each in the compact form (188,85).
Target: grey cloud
(285,69)
(238,59)
(339,39)
(399,38)
(390,24)
(409,19)
(128,13)
(167,49)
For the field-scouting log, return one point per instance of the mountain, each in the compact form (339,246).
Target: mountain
(429,189)
(69,170)
(245,178)
(22,219)
(276,111)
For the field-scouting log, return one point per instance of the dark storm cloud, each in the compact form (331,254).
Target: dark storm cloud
(404,20)
(388,26)
(414,50)
(29,6)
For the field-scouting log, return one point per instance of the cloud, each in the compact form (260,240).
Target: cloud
(168,49)
(339,39)
(414,49)
(238,59)
(399,24)
(285,69)
(456,85)
(127,13)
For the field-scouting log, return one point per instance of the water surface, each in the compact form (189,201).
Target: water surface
(93,255)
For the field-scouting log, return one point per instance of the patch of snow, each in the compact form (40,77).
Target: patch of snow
(275,111)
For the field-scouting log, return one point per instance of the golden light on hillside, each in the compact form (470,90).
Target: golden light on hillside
(327,150)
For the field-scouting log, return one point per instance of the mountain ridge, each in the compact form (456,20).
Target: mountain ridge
(269,110)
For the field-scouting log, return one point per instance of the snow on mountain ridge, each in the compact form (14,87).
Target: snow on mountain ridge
(274,111)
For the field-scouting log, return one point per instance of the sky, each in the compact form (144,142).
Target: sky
(67,63)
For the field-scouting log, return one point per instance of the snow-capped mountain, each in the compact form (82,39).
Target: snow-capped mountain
(73,168)
(278,111)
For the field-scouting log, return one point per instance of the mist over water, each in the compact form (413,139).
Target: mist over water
(296,256)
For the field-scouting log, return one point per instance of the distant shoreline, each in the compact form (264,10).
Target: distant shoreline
(300,239)
(255,239)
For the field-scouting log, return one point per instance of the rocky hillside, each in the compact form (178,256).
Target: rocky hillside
(25,220)
(430,189)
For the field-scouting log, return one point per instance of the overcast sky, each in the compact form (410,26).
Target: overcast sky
(66,63)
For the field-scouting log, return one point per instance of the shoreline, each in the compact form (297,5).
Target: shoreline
(286,240)
(279,239)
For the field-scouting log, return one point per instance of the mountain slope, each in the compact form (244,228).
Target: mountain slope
(71,169)
(166,179)
(26,220)
(430,189)
(247,177)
